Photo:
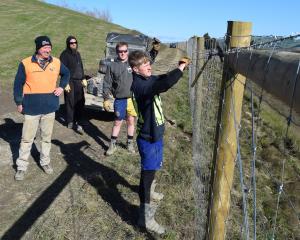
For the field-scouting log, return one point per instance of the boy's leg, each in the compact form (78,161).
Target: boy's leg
(147,177)
(29,130)
(47,122)
(120,115)
(114,136)
(151,161)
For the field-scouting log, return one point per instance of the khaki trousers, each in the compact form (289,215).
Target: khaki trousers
(30,126)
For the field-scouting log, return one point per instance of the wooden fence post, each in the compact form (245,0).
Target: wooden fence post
(238,35)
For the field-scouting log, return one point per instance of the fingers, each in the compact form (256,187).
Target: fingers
(20,108)
(58,91)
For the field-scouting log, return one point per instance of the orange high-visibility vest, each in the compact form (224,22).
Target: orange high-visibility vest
(39,80)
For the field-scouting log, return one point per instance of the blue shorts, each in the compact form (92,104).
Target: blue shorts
(151,154)
(120,106)
(123,108)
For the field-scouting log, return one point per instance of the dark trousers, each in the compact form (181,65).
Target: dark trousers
(147,177)
(74,102)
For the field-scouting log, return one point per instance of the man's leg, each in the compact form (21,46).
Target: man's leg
(29,130)
(130,133)
(120,114)
(114,136)
(69,104)
(79,102)
(47,122)
(131,115)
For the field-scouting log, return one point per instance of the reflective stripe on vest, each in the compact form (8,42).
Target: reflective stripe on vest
(39,80)
(159,116)
(158,112)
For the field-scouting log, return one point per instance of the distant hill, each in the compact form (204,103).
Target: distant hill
(22,20)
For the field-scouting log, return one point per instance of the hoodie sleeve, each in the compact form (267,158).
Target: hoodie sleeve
(81,64)
(65,76)
(63,58)
(162,83)
(19,83)
(107,83)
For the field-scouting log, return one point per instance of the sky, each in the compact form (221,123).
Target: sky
(173,21)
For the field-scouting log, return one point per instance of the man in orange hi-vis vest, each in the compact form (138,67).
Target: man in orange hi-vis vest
(36,94)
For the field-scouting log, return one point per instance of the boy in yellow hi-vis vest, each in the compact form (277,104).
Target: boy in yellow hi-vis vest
(150,129)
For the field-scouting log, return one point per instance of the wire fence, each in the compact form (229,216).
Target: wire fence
(265,189)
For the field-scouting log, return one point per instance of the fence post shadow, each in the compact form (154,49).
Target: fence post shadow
(104,179)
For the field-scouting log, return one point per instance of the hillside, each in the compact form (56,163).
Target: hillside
(89,196)
(22,20)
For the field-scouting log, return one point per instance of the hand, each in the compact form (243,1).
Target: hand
(58,91)
(20,108)
(68,88)
(185,60)
(84,83)
(183,63)
(107,106)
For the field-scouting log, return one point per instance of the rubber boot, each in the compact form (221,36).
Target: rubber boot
(155,196)
(146,218)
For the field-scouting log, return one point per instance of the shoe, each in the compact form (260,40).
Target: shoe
(19,176)
(130,146)
(146,219)
(79,128)
(70,125)
(112,148)
(155,196)
(48,169)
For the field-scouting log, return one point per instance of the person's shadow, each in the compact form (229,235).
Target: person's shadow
(11,132)
(104,179)
(89,128)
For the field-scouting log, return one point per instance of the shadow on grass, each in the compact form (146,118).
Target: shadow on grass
(104,179)
(89,128)
(11,132)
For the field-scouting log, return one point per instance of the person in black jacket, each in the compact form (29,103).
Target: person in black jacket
(74,93)
(150,129)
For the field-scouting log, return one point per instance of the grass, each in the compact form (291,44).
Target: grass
(23,20)
(272,150)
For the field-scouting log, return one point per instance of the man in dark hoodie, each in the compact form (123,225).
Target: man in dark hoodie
(74,94)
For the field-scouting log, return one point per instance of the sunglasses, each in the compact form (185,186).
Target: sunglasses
(72,42)
(122,51)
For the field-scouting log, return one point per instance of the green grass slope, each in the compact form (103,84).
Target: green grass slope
(22,20)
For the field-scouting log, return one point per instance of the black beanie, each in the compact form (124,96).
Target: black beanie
(42,41)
